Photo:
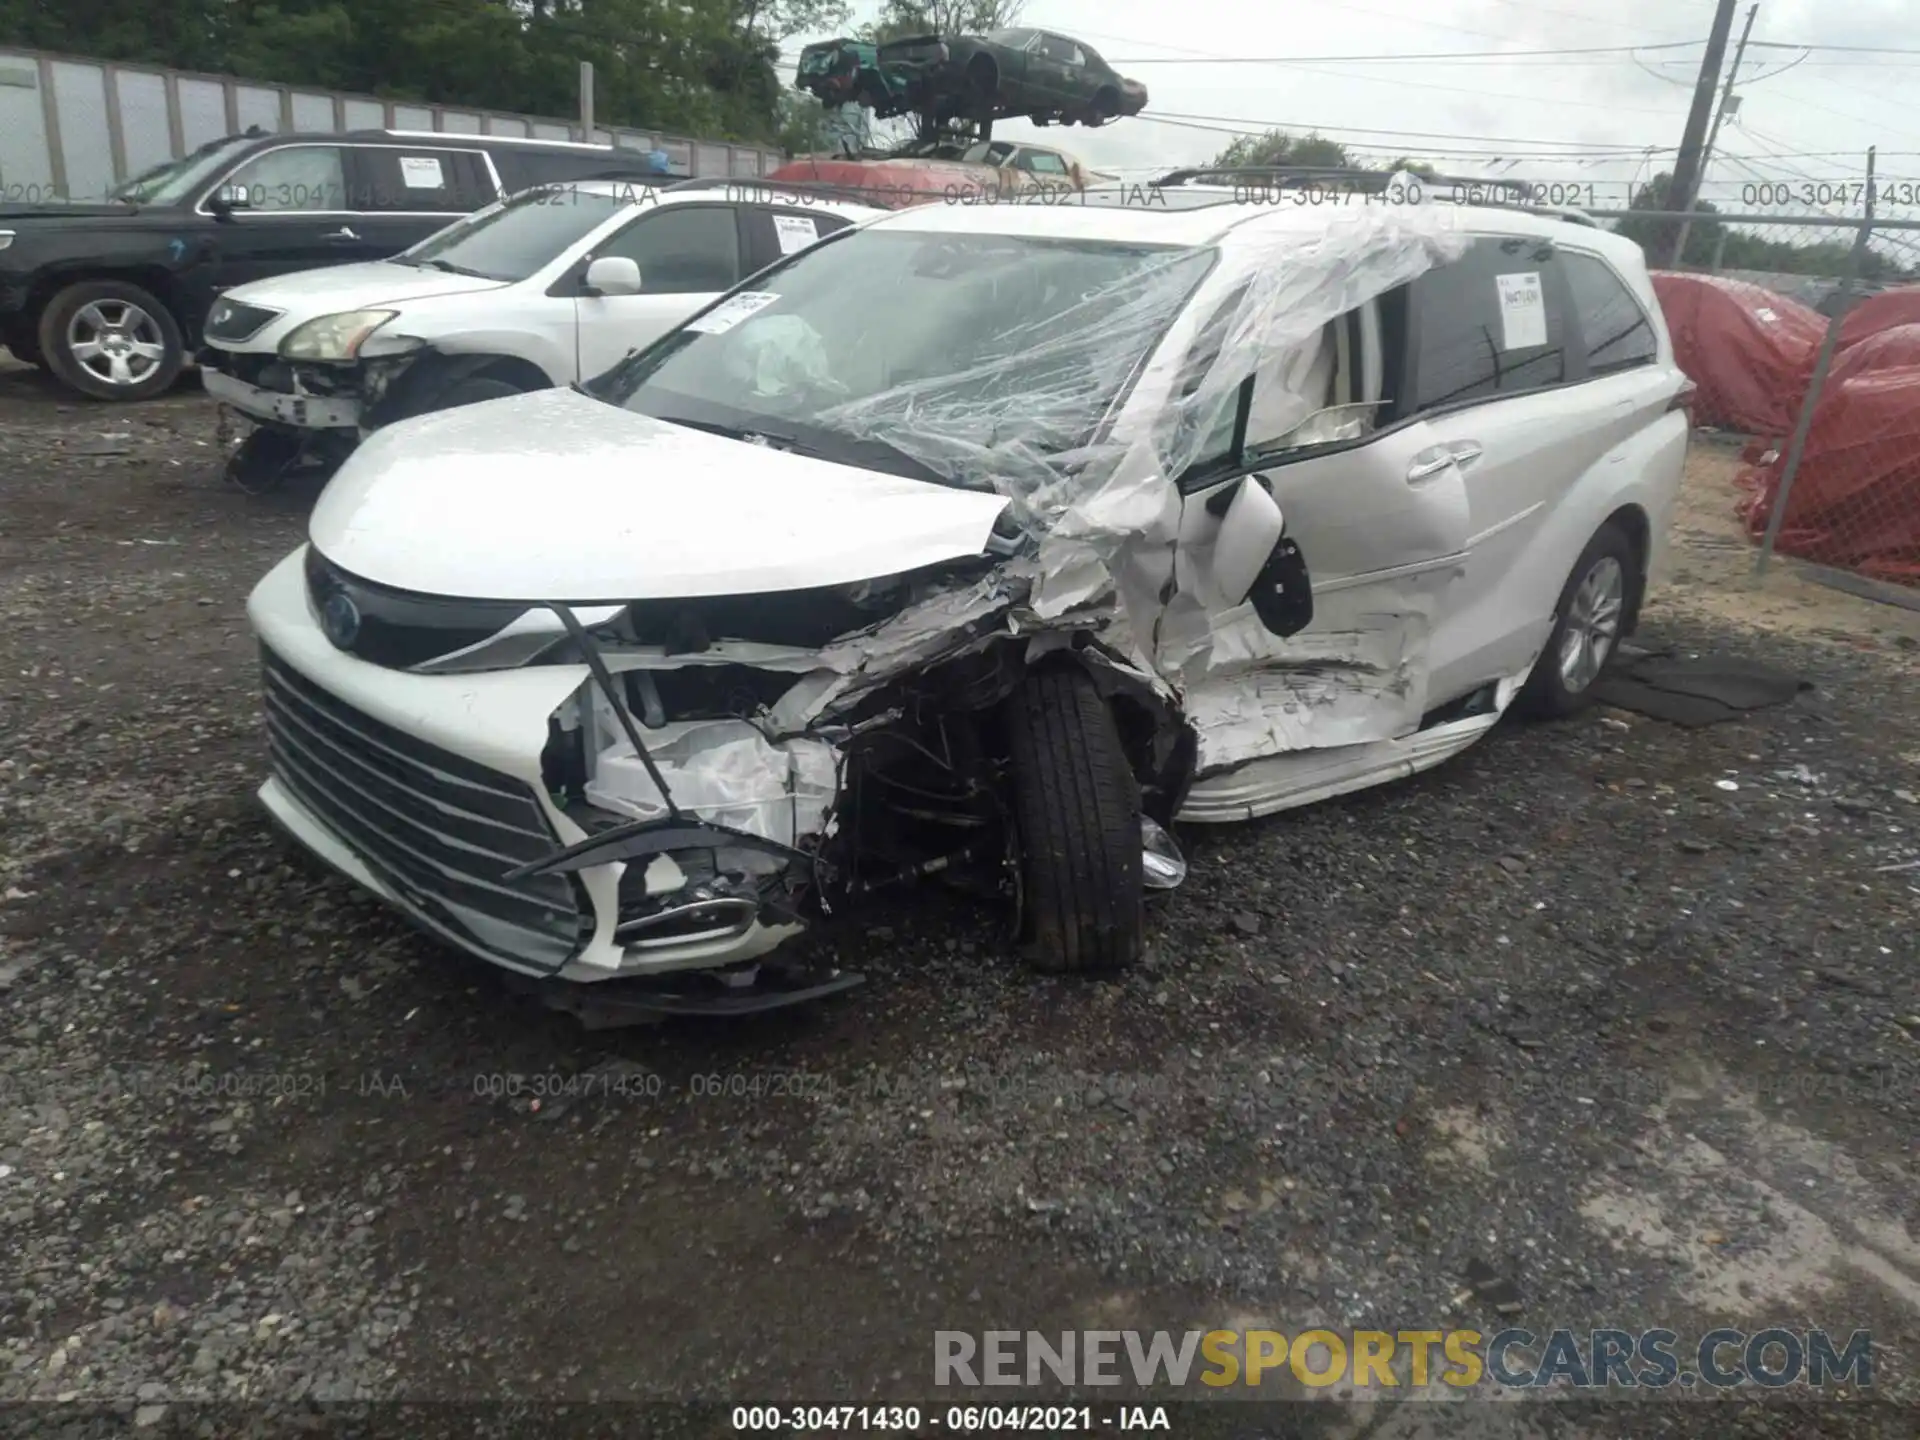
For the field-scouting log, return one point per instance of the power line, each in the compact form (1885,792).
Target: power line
(1233,125)
(1836,49)
(1396,57)
(1487,94)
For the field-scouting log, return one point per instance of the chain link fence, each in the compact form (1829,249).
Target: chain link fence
(1808,350)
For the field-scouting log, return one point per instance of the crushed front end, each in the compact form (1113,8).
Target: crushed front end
(660,794)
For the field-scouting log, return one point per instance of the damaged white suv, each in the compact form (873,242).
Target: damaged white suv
(978,542)
(544,287)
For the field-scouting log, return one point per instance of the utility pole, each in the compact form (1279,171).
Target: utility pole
(1706,155)
(586,101)
(1686,168)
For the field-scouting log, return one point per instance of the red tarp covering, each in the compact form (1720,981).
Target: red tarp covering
(1880,312)
(1856,500)
(896,184)
(1749,350)
(1888,349)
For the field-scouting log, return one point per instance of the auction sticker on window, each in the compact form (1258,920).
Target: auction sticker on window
(795,232)
(1523,311)
(421,172)
(730,312)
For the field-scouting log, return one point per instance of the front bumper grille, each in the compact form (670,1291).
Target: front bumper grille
(396,629)
(439,830)
(236,322)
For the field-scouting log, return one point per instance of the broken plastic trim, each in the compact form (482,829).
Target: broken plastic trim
(596,663)
(639,838)
(1163,867)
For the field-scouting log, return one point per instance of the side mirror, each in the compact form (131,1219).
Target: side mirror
(613,275)
(1255,563)
(227,199)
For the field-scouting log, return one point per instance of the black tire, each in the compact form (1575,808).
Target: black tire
(1077,814)
(1556,689)
(1105,107)
(471,391)
(264,461)
(111,312)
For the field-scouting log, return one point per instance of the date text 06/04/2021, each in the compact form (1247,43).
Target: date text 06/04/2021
(962,1419)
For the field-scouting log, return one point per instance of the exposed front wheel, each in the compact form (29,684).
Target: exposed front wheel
(111,340)
(265,460)
(1586,628)
(472,392)
(1077,815)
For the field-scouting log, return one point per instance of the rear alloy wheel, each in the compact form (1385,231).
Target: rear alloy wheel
(111,341)
(1077,814)
(1586,628)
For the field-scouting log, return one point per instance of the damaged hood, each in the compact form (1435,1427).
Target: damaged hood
(557,496)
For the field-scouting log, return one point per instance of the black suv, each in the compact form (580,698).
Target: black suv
(110,297)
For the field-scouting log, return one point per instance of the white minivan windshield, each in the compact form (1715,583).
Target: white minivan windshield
(950,348)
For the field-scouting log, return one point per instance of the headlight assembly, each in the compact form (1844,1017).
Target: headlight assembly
(334,337)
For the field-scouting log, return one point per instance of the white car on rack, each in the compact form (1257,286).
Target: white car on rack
(984,542)
(545,287)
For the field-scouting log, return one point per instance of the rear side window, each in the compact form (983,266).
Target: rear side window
(420,182)
(1492,323)
(1614,329)
(773,233)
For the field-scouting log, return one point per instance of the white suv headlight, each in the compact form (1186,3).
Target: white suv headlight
(334,337)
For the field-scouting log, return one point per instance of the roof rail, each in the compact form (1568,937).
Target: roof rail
(1480,190)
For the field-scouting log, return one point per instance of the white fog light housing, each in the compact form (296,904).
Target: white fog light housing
(334,337)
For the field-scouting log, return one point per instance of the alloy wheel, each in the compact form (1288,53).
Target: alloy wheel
(116,342)
(1593,624)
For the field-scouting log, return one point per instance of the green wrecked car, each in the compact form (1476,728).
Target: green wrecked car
(1033,74)
(848,72)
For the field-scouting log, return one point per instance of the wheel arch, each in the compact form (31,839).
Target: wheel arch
(156,280)
(1632,521)
(435,372)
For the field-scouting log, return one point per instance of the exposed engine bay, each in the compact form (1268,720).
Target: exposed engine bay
(810,803)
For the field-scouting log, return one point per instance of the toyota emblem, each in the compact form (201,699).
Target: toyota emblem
(341,620)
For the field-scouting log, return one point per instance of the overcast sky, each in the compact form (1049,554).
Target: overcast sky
(1491,113)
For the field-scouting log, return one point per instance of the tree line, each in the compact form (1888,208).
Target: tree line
(699,67)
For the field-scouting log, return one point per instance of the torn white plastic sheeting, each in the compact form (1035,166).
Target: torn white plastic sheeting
(1113,505)
(724,771)
(941,624)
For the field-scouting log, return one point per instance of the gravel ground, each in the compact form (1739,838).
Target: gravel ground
(1606,1022)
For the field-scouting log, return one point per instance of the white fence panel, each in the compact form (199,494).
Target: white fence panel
(75,127)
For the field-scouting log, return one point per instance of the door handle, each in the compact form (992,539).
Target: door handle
(1465,452)
(1429,463)
(345,232)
